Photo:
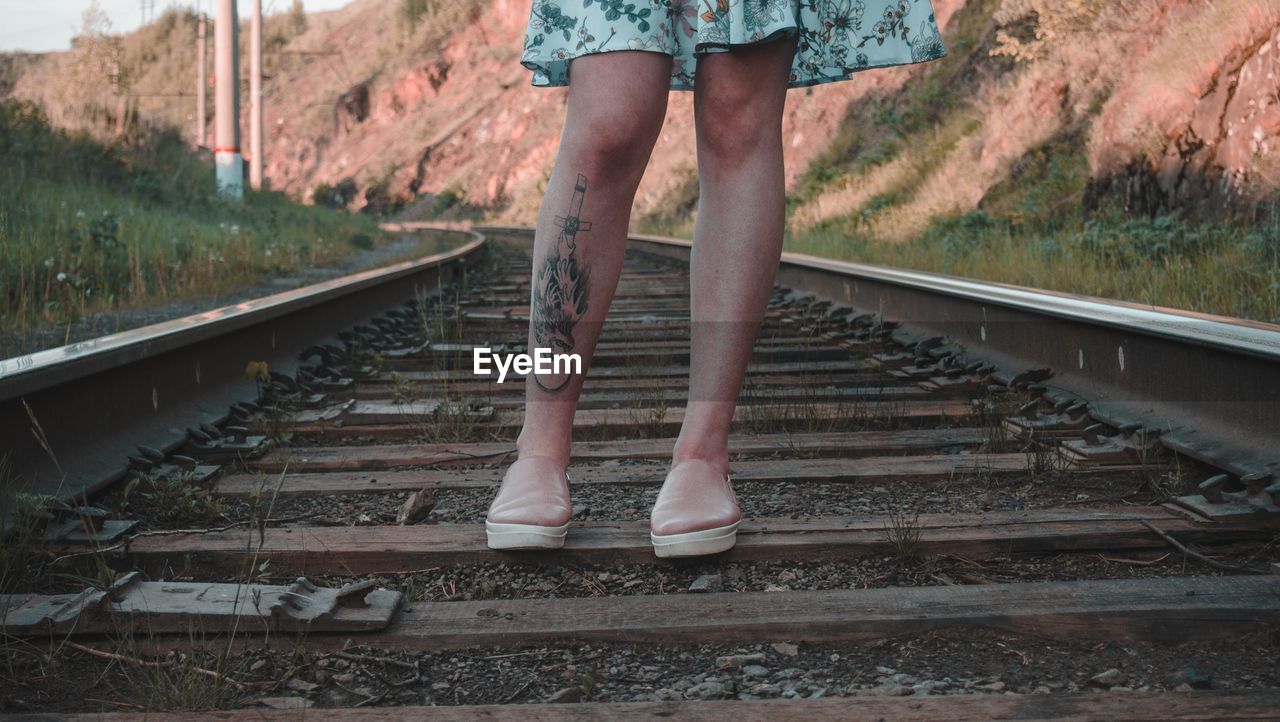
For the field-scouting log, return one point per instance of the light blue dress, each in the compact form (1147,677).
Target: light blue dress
(835,38)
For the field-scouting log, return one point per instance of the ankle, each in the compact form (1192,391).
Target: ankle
(527,447)
(717,457)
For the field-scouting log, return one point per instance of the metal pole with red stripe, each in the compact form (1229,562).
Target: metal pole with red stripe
(226,151)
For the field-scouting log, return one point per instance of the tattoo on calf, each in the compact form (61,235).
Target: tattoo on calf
(561,287)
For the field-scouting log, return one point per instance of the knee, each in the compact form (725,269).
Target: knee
(613,139)
(735,123)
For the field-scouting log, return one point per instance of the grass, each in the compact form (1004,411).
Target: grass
(122,672)
(1041,453)
(1215,268)
(89,227)
(990,412)
(173,499)
(903,534)
(648,403)
(175,682)
(458,417)
(22,556)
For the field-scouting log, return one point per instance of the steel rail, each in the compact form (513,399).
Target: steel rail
(70,416)
(1209,384)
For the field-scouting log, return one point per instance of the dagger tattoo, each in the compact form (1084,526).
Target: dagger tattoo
(561,288)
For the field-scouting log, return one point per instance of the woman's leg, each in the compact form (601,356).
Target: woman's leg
(737,239)
(617,102)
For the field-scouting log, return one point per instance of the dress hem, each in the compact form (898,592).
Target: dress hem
(540,73)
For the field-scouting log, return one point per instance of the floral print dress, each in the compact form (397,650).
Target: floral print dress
(834,38)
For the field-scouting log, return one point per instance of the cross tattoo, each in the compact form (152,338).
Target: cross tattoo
(570,223)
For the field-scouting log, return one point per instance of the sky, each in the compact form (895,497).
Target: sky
(50,24)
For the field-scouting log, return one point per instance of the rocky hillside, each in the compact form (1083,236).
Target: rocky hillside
(1154,105)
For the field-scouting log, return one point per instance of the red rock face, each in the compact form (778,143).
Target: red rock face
(1218,138)
(1190,119)
(1222,155)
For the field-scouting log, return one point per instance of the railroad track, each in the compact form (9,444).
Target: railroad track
(943,519)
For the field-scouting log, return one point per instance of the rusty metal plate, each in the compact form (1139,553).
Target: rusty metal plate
(182,607)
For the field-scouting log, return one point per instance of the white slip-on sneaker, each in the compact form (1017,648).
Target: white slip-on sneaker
(532,508)
(696,512)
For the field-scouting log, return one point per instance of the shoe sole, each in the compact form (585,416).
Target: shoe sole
(524,536)
(695,543)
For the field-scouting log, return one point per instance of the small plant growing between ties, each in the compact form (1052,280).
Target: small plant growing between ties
(903,535)
(21,556)
(172,499)
(403,390)
(456,417)
(648,405)
(990,411)
(1165,483)
(1043,460)
(274,418)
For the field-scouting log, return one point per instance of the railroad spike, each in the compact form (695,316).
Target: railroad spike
(1030,410)
(91,516)
(237,433)
(184,462)
(1211,488)
(283,379)
(355,595)
(1255,483)
(151,453)
(140,463)
(311,352)
(1031,376)
(1093,434)
(1273,491)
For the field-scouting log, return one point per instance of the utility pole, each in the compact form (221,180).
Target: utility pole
(122,100)
(226,151)
(202,82)
(255,97)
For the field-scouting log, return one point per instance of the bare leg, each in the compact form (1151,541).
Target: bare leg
(737,240)
(737,236)
(617,102)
